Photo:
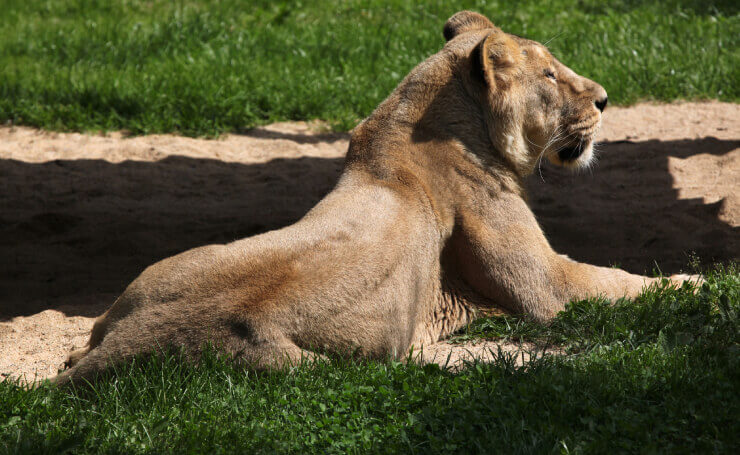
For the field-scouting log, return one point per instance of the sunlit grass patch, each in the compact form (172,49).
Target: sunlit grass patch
(202,68)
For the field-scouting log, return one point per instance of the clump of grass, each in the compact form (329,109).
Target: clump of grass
(658,374)
(203,68)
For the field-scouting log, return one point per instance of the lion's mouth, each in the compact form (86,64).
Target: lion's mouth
(576,151)
(571,153)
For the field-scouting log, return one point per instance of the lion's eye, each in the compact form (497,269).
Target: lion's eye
(550,74)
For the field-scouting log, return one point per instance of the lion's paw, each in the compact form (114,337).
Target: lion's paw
(680,278)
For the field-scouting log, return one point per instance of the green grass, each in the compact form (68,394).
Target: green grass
(202,68)
(658,374)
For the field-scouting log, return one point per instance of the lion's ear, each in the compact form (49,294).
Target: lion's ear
(464,21)
(496,58)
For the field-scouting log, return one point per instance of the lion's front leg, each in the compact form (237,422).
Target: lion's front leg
(501,252)
(585,280)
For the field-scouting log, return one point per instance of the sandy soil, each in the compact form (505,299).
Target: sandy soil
(82,215)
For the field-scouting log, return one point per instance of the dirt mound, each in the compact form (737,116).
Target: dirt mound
(82,215)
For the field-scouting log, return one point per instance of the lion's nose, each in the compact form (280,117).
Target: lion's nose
(599,97)
(601,104)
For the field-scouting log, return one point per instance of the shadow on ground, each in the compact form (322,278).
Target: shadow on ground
(627,212)
(74,233)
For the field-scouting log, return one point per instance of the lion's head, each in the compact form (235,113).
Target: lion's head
(537,106)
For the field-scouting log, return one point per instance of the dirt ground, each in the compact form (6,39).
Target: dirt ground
(82,215)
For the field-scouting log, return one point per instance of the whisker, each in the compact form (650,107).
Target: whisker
(553,138)
(548,41)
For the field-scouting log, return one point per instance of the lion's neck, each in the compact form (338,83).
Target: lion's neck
(443,142)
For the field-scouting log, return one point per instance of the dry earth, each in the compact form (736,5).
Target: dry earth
(82,215)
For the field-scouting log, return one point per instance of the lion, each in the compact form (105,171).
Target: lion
(427,227)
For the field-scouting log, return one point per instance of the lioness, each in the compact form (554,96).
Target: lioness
(427,226)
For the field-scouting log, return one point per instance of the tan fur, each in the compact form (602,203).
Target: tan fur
(427,227)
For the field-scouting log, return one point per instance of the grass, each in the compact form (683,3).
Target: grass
(202,68)
(658,374)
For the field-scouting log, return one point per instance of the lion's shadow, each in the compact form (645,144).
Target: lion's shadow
(74,233)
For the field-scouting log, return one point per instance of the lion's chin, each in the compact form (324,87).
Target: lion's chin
(573,156)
